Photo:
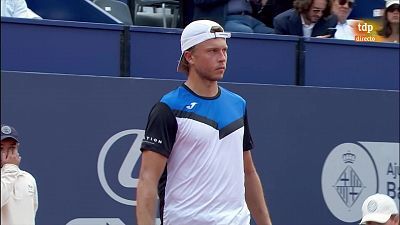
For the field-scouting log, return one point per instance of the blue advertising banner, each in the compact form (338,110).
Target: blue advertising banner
(319,151)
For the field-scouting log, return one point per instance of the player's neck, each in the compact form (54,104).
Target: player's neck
(204,88)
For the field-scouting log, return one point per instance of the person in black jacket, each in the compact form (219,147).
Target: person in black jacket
(271,9)
(308,18)
(233,15)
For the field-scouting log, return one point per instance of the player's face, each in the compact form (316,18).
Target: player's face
(316,11)
(208,59)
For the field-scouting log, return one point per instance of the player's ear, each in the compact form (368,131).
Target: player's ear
(188,56)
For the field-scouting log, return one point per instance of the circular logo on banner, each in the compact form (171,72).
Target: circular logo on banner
(125,172)
(349,175)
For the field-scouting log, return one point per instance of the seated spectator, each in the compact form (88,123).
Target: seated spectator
(273,8)
(308,18)
(344,28)
(18,9)
(379,209)
(390,20)
(235,15)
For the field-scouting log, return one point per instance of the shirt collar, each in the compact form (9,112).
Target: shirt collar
(304,23)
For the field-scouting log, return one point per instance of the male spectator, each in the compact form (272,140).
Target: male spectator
(344,28)
(308,18)
(234,15)
(19,198)
(379,209)
(18,9)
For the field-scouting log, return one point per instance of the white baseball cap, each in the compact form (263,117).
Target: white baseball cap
(196,32)
(391,2)
(378,208)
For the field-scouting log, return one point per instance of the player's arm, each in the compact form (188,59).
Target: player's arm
(153,165)
(159,139)
(254,192)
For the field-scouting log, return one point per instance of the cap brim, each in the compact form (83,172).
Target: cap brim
(375,217)
(3,137)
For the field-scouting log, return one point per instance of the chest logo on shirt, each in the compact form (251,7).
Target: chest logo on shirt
(191,105)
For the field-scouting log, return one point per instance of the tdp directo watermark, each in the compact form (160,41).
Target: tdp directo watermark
(365,31)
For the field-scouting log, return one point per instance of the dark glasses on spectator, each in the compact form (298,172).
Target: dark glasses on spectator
(349,3)
(393,8)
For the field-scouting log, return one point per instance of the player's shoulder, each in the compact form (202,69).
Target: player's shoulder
(232,96)
(177,97)
(171,96)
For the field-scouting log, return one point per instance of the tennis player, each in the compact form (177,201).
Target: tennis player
(196,150)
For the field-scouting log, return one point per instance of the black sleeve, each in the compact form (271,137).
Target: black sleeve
(247,140)
(160,130)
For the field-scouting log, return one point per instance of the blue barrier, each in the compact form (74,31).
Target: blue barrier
(60,47)
(83,145)
(340,63)
(251,58)
(155,52)
(148,52)
(264,59)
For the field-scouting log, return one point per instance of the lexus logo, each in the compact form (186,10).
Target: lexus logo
(125,172)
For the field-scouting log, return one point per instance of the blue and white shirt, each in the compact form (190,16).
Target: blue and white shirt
(203,139)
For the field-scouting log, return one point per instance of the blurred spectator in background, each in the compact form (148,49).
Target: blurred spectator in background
(379,209)
(344,28)
(273,8)
(19,196)
(186,12)
(390,22)
(18,9)
(308,18)
(235,15)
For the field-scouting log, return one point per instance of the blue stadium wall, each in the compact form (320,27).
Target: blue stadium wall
(65,47)
(319,151)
